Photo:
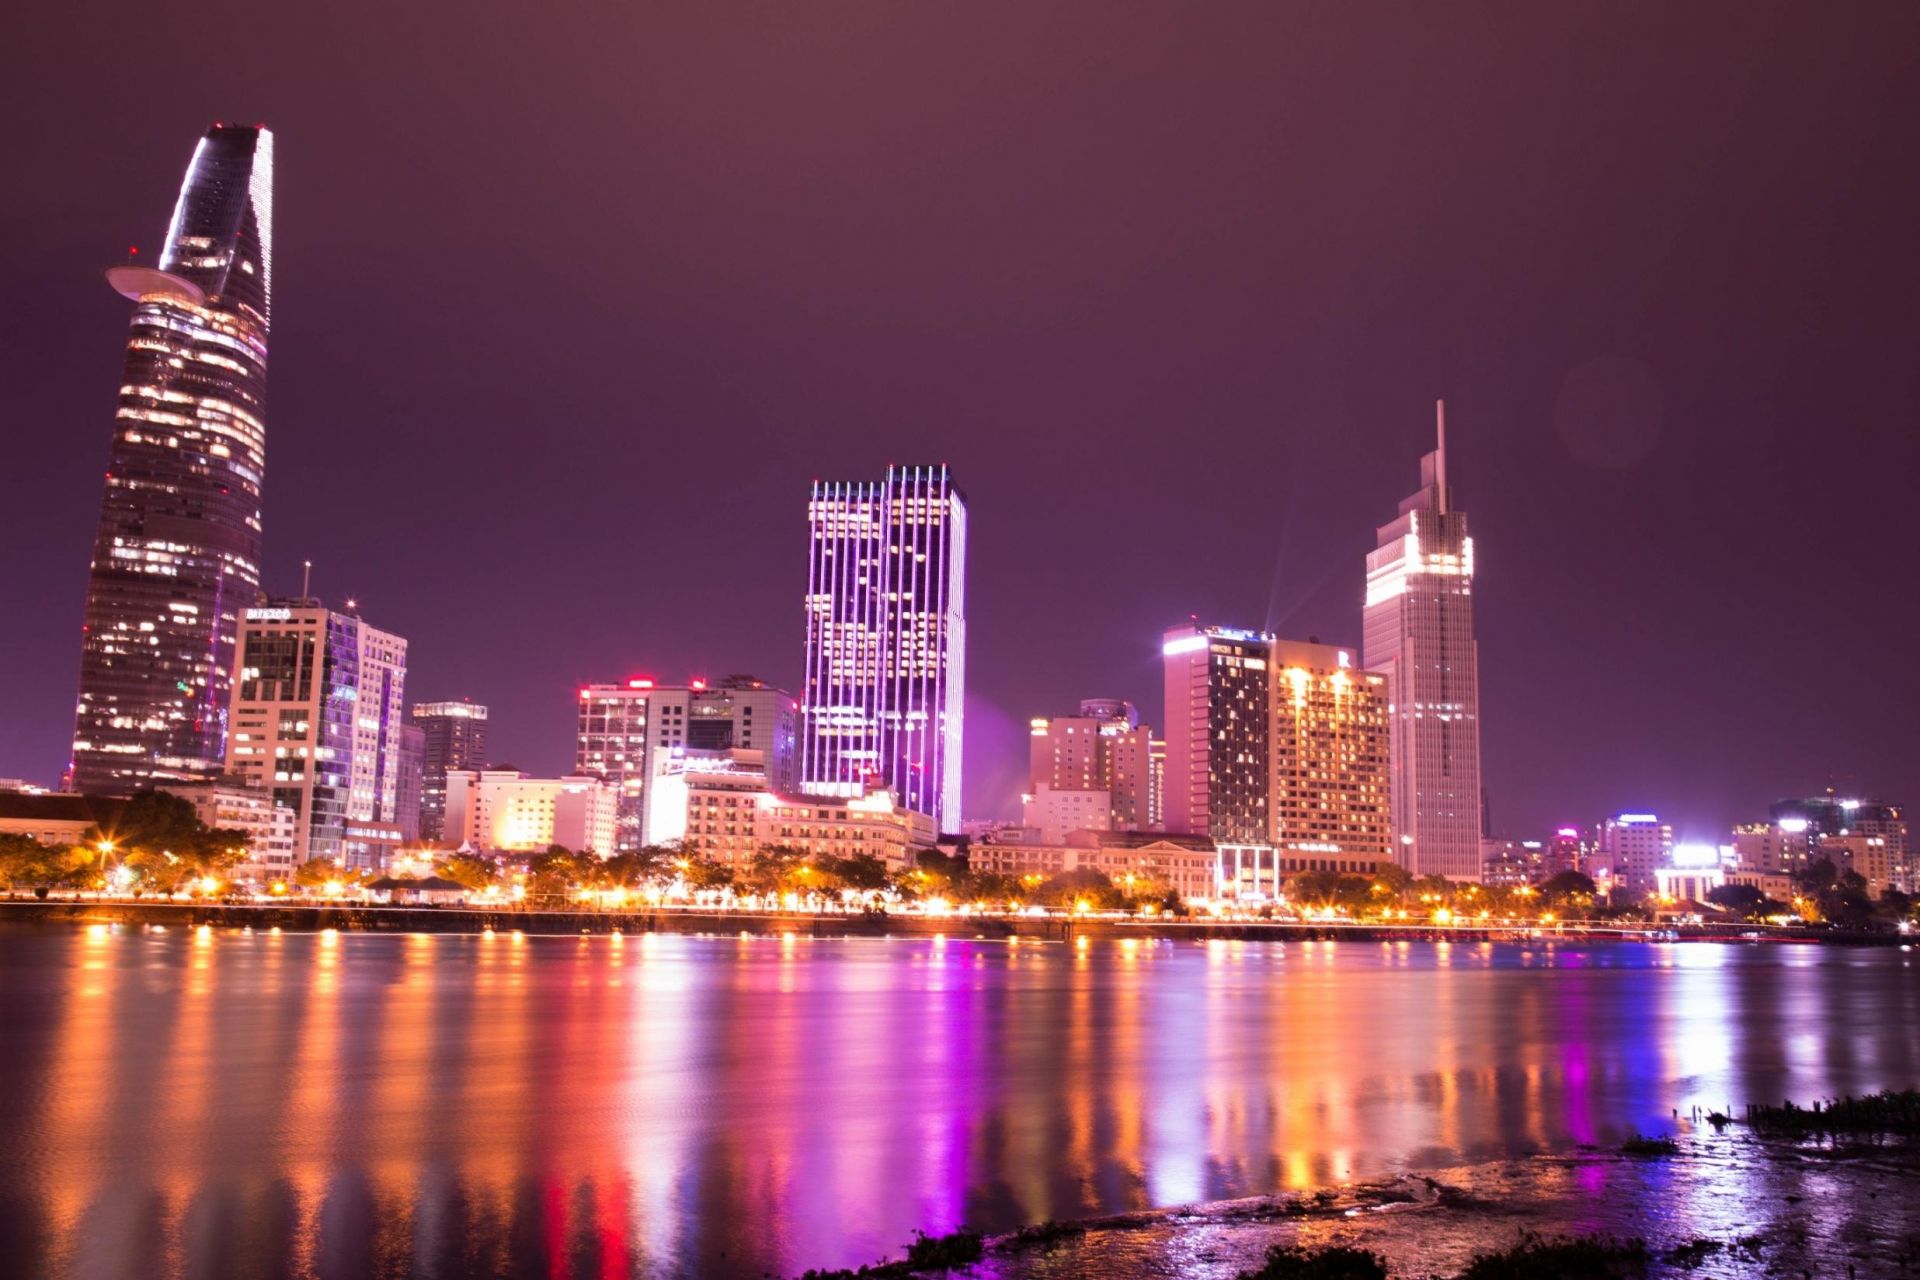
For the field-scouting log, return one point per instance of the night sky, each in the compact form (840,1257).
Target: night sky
(570,308)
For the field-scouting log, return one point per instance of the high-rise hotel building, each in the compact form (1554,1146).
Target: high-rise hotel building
(632,733)
(1278,751)
(455,738)
(885,677)
(1418,633)
(1218,771)
(177,554)
(317,713)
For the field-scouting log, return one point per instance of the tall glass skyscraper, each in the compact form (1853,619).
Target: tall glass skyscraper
(177,551)
(177,555)
(887,640)
(1418,632)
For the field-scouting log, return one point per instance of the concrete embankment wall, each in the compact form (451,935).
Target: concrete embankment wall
(304,917)
(307,918)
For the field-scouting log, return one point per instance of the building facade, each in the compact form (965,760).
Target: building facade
(1418,633)
(412,783)
(1630,847)
(1186,865)
(631,733)
(1098,771)
(505,811)
(886,643)
(318,706)
(1278,751)
(454,737)
(272,830)
(1328,748)
(177,553)
(1218,770)
(721,805)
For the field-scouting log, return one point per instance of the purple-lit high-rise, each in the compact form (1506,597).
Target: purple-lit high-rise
(177,554)
(885,677)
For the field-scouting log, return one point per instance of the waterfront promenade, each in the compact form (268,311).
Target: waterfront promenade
(365,917)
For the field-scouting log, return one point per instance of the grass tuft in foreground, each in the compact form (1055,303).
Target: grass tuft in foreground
(1287,1262)
(1884,1112)
(935,1253)
(1042,1234)
(926,1254)
(1639,1146)
(1585,1258)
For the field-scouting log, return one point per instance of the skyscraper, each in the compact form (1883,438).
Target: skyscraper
(316,721)
(177,554)
(885,676)
(456,738)
(1418,632)
(1217,773)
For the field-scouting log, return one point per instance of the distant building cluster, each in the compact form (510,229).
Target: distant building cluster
(1636,856)
(287,718)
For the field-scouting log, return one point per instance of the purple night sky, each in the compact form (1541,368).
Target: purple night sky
(569,311)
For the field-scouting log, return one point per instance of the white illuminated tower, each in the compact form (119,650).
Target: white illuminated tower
(1419,634)
(886,640)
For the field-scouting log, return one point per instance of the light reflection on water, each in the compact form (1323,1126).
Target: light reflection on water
(201,1103)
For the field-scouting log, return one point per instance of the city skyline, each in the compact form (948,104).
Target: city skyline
(1610,426)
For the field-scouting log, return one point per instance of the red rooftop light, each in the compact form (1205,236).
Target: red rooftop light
(638,683)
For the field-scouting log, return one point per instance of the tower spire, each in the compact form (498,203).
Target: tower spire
(1440,454)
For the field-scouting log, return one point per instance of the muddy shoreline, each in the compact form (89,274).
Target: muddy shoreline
(1721,1206)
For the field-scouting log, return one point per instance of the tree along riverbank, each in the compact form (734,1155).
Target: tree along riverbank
(306,917)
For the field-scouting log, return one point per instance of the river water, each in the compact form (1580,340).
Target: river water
(194,1102)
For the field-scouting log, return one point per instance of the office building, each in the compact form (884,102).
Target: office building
(1096,771)
(1629,849)
(629,733)
(412,781)
(317,712)
(177,553)
(1567,850)
(1418,633)
(505,811)
(885,676)
(455,737)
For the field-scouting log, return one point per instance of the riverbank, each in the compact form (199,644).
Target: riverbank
(313,917)
(1713,1206)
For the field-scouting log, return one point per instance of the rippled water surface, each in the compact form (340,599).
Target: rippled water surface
(205,1103)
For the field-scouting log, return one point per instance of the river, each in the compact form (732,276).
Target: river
(201,1102)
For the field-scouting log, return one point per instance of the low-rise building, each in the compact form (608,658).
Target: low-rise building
(720,806)
(505,811)
(272,830)
(56,819)
(1188,865)
(1687,884)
